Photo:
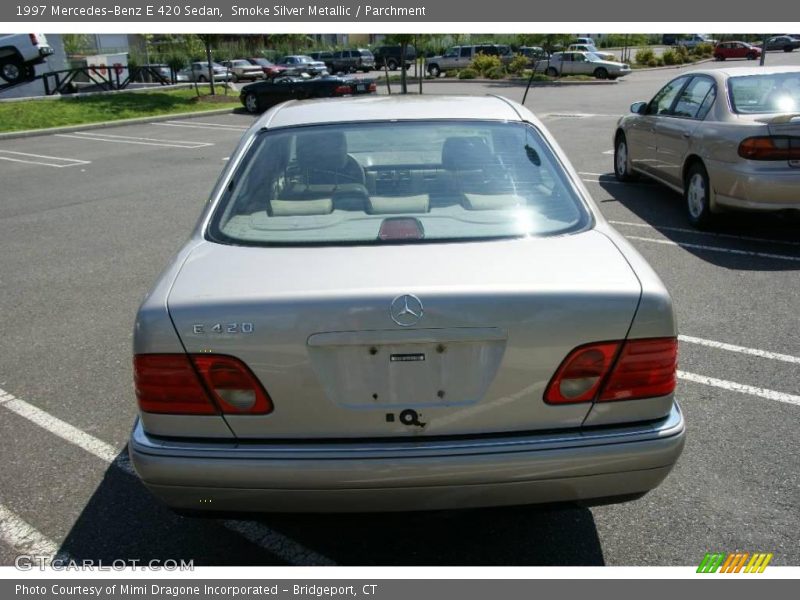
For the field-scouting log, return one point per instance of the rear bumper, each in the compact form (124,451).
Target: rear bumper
(400,476)
(743,186)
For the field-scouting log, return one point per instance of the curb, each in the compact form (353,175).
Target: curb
(10,135)
(501,82)
(699,62)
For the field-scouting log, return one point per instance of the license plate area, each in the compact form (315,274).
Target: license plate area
(380,372)
(795,163)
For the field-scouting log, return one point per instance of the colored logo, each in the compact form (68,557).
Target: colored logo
(735,562)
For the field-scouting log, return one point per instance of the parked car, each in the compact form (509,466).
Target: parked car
(460,57)
(669,39)
(153,73)
(258,97)
(591,48)
(582,63)
(323,56)
(783,42)
(336,335)
(298,64)
(389,56)
(20,53)
(241,69)
(736,49)
(533,53)
(198,71)
(349,61)
(269,68)
(694,40)
(584,40)
(726,138)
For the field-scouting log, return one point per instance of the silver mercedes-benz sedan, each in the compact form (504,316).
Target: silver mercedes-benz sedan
(403,303)
(727,139)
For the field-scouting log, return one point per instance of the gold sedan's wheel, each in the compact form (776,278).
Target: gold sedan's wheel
(622,169)
(697,194)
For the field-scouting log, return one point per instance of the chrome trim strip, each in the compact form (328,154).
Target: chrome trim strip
(670,426)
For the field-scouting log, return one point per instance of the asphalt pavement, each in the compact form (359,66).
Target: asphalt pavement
(88,220)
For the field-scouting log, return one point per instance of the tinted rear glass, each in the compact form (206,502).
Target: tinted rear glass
(439,180)
(768,93)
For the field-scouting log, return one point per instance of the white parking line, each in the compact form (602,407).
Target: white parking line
(124,139)
(709,233)
(56,426)
(741,349)
(52,161)
(197,125)
(732,386)
(714,248)
(22,537)
(577,115)
(280,545)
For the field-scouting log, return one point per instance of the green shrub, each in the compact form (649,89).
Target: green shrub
(483,63)
(518,65)
(467,74)
(645,56)
(496,73)
(703,50)
(652,62)
(671,57)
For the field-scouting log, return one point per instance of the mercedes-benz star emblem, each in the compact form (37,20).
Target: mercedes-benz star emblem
(406,310)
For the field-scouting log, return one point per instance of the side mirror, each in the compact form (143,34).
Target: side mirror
(639,108)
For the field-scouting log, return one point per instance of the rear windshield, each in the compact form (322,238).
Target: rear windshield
(397,182)
(769,93)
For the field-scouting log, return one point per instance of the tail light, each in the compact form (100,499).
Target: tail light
(342,90)
(619,370)
(581,374)
(34,39)
(770,147)
(197,384)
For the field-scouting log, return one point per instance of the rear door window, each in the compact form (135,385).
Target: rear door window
(692,98)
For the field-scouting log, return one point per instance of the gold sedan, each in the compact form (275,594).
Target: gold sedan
(724,138)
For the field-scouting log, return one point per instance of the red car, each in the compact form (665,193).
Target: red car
(736,49)
(270,69)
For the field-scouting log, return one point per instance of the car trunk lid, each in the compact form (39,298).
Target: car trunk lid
(405,340)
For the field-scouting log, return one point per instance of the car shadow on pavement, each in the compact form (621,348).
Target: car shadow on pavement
(735,240)
(563,534)
(123,522)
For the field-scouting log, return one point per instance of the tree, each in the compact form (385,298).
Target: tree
(404,40)
(207,39)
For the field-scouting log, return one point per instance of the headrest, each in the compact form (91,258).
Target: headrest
(322,151)
(466,154)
